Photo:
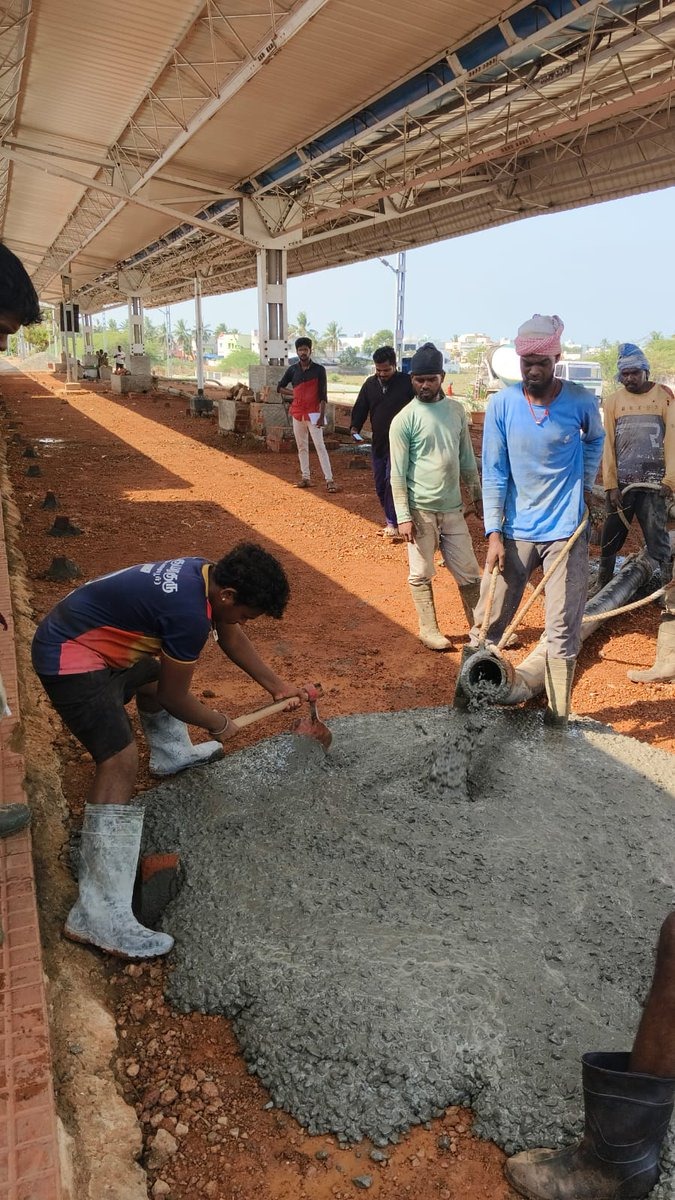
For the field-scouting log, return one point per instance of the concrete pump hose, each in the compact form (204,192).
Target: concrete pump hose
(615,612)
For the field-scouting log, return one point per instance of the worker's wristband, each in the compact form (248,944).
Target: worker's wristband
(218,732)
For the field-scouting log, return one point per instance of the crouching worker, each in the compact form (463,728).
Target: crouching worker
(628,1102)
(138,633)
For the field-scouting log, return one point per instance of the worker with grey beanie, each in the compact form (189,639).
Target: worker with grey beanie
(431,454)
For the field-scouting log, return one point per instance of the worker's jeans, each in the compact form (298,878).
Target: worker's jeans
(565,593)
(451,532)
(302,430)
(651,510)
(381,475)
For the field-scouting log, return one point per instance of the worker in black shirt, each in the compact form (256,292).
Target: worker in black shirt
(382,396)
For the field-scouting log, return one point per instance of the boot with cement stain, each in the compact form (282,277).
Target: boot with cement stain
(627,1117)
(558,681)
(429,634)
(170,747)
(469,595)
(102,915)
(663,670)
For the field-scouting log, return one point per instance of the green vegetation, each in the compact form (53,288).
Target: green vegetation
(383,337)
(237,360)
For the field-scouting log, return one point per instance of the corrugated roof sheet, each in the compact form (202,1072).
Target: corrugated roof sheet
(121,83)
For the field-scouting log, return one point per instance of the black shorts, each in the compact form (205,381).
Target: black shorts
(92,704)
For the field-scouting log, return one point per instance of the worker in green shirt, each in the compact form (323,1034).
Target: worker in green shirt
(431,454)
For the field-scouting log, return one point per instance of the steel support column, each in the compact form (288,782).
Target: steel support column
(272,306)
(88,356)
(68,334)
(199,403)
(399,327)
(136,337)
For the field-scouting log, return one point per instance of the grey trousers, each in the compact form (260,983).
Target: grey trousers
(565,593)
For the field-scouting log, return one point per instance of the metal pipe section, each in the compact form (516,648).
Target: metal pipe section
(486,675)
(199,337)
(498,682)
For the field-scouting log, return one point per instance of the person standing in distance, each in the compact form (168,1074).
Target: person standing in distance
(308,393)
(382,396)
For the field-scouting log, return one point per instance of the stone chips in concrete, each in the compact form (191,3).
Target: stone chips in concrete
(445,909)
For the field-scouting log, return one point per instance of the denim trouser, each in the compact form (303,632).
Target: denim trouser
(651,510)
(381,475)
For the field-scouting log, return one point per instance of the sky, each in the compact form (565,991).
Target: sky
(608,270)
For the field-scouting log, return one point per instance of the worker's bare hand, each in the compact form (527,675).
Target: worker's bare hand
(407,530)
(496,554)
(295,695)
(223,735)
(321,422)
(596,513)
(614,498)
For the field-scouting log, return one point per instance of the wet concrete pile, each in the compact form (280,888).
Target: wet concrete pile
(447,908)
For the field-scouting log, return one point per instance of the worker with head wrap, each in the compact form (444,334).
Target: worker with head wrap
(542,444)
(638,465)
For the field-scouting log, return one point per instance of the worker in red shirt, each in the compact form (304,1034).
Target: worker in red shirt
(306,386)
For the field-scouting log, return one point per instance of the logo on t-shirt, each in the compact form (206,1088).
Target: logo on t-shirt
(166,574)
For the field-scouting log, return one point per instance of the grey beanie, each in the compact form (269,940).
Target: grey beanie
(428,360)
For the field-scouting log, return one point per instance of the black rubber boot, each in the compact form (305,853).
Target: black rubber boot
(627,1117)
(606,565)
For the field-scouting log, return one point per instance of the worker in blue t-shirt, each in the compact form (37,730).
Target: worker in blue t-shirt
(542,445)
(139,633)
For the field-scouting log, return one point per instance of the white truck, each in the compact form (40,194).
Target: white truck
(502,367)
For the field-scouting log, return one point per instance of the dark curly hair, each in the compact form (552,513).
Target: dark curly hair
(17,294)
(258,578)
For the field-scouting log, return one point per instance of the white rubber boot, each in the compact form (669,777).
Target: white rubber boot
(102,915)
(663,670)
(430,635)
(170,747)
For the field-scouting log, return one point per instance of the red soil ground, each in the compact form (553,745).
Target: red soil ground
(145,481)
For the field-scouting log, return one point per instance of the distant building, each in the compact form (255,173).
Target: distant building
(227,342)
(352,343)
(471,341)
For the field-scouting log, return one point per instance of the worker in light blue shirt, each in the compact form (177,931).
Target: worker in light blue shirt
(542,446)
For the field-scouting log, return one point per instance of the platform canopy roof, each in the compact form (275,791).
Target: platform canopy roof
(143,142)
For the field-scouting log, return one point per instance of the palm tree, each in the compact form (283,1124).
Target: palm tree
(222,328)
(332,337)
(301,327)
(183,336)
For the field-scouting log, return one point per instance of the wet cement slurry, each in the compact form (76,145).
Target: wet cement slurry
(444,909)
